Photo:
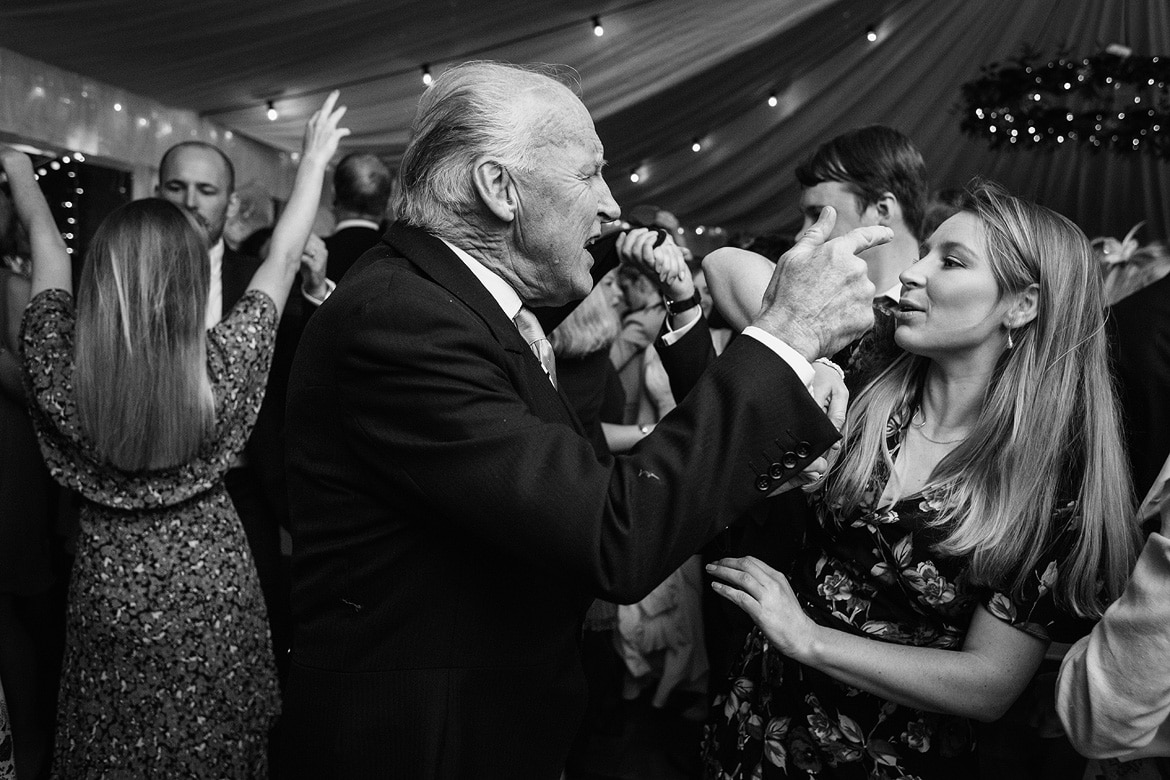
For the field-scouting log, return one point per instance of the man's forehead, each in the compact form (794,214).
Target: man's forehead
(195,165)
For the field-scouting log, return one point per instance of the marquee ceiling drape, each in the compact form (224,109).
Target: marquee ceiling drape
(665,73)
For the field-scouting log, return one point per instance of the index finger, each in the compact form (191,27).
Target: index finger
(863,238)
(330,101)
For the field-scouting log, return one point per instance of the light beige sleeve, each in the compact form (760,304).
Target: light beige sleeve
(1113,694)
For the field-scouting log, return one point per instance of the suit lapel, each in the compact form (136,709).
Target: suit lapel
(439,263)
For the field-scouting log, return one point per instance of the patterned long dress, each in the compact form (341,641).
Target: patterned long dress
(168,666)
(873,572)
(7,764)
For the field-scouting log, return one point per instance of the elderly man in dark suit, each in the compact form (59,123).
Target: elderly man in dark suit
(361,190)
(200,179)
(451,522)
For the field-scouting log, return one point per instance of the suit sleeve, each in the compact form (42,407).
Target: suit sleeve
(1113,693)
(686,359)
(443,413)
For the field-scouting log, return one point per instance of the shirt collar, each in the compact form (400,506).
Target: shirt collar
(348,223)
(215,254)
(893,294)
(500,290)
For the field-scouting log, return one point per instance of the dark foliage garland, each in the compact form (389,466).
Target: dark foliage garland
(1112,100)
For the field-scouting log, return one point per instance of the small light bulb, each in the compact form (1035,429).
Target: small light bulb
(272,114)
(426,75)
(696,146)
(598,30)
(117,106)
(634,177)
(79,157)
(773,101)
(55,165)
(870,34)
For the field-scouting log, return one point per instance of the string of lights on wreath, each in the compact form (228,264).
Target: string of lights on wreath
(1113,100)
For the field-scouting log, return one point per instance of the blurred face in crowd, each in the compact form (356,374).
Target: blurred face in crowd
(951,304)
(561,202)
(842,198)
(196,180)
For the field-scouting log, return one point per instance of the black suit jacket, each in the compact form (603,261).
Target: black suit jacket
(346,246)
(451,524)
(1139,330)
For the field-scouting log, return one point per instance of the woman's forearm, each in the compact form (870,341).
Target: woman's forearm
(979,681)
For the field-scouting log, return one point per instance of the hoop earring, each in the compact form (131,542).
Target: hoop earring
(1010,344)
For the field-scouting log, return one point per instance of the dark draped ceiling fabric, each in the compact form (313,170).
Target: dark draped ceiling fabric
(665,73)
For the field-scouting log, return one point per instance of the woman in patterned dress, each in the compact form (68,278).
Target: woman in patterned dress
(980,494)
(167,670)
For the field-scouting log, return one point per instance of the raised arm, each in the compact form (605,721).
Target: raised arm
(737,280)
(275,275)
(51,266)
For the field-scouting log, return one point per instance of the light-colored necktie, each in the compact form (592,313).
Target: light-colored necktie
(533,335)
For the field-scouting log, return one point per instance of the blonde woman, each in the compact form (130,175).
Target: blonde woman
(980,494)
(167,670)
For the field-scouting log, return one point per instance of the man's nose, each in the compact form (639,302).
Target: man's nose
(190,200)
(607,207)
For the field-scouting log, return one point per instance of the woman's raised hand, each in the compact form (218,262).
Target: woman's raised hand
(322,135)
(765,595)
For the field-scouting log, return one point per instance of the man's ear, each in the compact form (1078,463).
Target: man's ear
(494,186)
(889,210)
(1025,307)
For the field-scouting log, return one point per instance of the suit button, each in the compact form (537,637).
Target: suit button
(803,450)
(789,460)
(775,471)
(763,484)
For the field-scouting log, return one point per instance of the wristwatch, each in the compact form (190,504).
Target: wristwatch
(674,308)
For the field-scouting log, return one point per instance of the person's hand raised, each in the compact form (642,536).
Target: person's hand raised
(820,298)
(666,262)
(322,135)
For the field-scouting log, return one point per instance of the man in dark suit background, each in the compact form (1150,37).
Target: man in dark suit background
(1139,335)
(451,522)
(361,190)
(200,179)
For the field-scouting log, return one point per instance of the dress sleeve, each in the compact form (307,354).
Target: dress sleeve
(1033,609)
(1113,694)
(46,342)
(239,354)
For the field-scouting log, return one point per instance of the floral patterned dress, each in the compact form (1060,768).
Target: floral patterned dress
(7,765)
(870,572)
(168,667)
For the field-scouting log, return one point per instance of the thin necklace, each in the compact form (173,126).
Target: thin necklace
(922,433)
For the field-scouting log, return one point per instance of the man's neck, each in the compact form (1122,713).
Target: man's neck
(341,215)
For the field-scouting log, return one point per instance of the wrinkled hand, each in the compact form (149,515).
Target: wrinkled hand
(322,135)
(314,259)
(820,298)
(765,595)
(666,262)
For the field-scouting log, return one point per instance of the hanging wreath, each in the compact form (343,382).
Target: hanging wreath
(1112,100)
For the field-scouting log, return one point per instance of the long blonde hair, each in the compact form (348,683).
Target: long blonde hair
(1048,431)
(140,354)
